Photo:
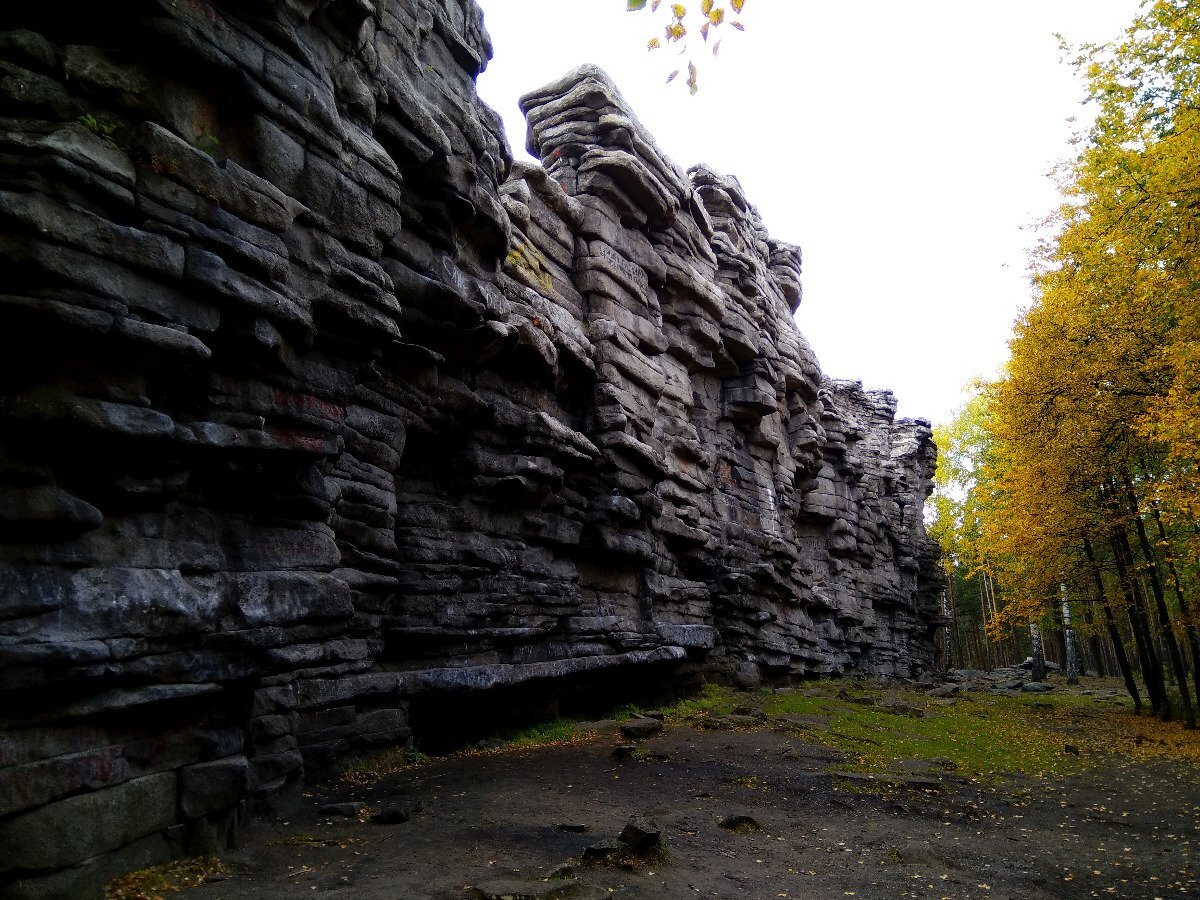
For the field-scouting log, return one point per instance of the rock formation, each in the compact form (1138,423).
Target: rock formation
(319,416)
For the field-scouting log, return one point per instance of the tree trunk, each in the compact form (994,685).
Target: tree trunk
(946,659)
(1071,649)
(958,638)
(1184,607)
(984,621)
(1151,667)
(1094,647)
(1039,655)
(1114,633)
(1160,604)
(1060,639)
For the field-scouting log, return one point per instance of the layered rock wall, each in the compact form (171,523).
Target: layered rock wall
(315,407)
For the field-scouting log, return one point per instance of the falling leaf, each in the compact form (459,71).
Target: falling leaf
(737,5)
(738,25)
(716,47)
(671,77)
(634,5)
(691,82)
(653,44)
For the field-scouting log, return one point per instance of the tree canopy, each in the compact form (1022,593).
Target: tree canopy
(1090,481)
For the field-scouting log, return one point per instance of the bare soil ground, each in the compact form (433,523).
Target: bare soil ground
(517,822)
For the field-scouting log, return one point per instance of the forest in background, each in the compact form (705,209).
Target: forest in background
(1069,488)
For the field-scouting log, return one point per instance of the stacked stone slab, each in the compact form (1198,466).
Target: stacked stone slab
(315,405)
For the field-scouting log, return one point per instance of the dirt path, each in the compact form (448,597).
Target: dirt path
(1114,831)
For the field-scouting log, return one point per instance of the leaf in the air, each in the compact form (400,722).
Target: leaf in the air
(671,77)
(737,5)
(634,5)
(691,82)
(653,44)
(738,25)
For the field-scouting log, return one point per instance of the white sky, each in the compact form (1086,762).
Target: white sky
(904,146)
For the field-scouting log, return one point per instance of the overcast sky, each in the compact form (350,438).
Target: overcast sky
(904,146)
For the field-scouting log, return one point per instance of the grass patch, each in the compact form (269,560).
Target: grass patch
(390,762)
(713,700)
(156,882)
(981,737)
(556,731)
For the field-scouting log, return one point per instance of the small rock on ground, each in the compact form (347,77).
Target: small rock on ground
(641,728)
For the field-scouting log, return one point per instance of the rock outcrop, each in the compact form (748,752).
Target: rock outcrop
(319,413)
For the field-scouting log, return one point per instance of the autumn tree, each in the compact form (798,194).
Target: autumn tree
(959,507)
(1095,428)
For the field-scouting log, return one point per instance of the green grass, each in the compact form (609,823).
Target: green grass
(713,700)
(543,734)
(797,705)
(381,765)
(628,711)
(557,731)
(983,736)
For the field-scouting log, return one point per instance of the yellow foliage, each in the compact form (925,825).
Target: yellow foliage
(170,878)
(707,16)
(1103,384)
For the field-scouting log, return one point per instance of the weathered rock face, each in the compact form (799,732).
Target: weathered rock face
(313,410)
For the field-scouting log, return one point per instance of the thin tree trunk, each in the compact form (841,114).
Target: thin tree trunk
(1184,607)
(954,617)
(946,658)
(1152,672)
(1070,652)
(1114,633)
(1039,655)
(1160,604)
(1004,652)
(1060,641)
(1094,647)
(984,612)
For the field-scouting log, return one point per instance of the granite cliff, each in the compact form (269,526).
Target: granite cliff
(321,419)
